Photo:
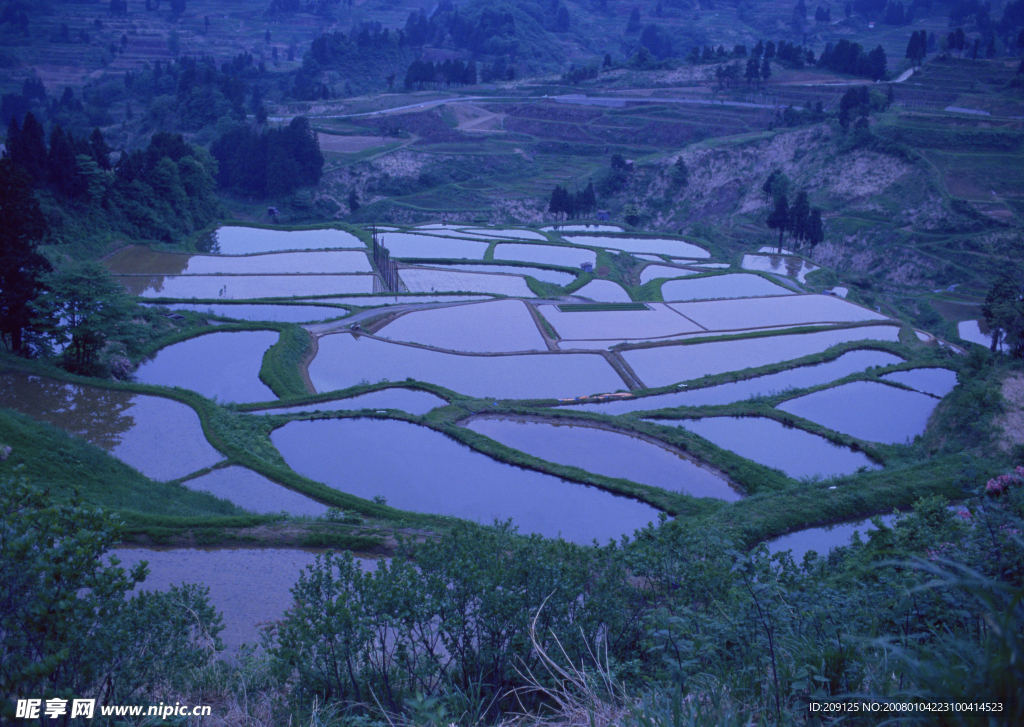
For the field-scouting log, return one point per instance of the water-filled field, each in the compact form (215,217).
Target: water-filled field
(258,312)
(789,310)
(867,410)
(664,365)
(428,280)
(792,267)
(548,276)
(499,326)
(766,441)
(418,469)
(731,285)
(160,437)
(934,381)
(411,245)
(795,378)
(570,257)
(407,400)
(250,240)
(663,271)
(224,366)
(344,361)
(254,492)
(139,260)
(657,320)
(604,291)
(244,286)
(659,245)
(612,454)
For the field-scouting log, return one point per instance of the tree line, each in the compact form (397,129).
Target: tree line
(271,161)
(798,219)
(573,204)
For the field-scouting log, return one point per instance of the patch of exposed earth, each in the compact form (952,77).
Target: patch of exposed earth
(1012,420)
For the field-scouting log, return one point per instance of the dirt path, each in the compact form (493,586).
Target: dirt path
(1012,421)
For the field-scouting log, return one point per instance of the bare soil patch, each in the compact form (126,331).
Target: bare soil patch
(1012,421)
(348,144)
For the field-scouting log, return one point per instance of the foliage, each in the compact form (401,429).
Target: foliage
(82,310)
(848,57)
(1004,313)
(22,227)
(573,205)
(271,162)
(67,630)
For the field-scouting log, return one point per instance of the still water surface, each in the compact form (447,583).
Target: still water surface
(225,366)
(421,470)
(407,400)
(161,438)
(613,454)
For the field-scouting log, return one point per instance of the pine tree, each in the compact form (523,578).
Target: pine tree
(778,219)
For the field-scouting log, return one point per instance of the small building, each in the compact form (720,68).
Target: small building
(587,267)
(603,215)
(272,212)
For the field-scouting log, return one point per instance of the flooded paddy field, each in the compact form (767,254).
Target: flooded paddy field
(250,587)
(663,365)
(499,326)
(656,321)
(603,291)
(730,285)
(436,474)
(428,280)
(244,286)
(570,257)
(657,245)
(790,266)
(370,301)
(867,410)
(140,260)
(258,312)
(934,381)
(663,271)
(411,245)
(788,310)
(161,438)
(583,228)
(234,240)
(797,453)
(512,233)
(823,539)
(254,492)
(343,361)
(223,366)
(407,400)
(796,378)
(608,453)
(548,276)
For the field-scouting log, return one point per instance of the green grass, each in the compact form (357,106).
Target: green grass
(600,307)
(282,362)
(63,464)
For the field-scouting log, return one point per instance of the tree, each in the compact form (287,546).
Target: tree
(68,629)
(778,218)
(633,25)
(353,200)
(22,228)
(562,20)
(917,48)
(815,228)
(27,147)
(83,309)
(680,173)
(800,217)
(1004,313)
(766,69)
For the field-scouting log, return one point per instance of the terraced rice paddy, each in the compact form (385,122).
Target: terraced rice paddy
(231,240)
(658,245)
(407,400)
(795,452)
(250,312)
(254,492)
(656,321)
(428,280)
(240,287)
(140,260)
(223,366)
(160,437)
(437,474)
(604,291)
(934,381)
(796,378)
(788,265)
(612,454)
(867,410)
(733,285)
(411,245)
(570,257)
(663,271)
(499,326)
(665,365)
(548,276)
(343,361)
(796,310)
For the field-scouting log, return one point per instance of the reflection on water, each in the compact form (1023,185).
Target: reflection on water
(407,400)
(867,410)
(659,245)
(251,588)
(234,240)
(793,267)
(499,326)
(343,361)
(798,378)
(276,313)
(238,287)
(421,470)
(823,539)
(935,381)
(730,285)
(141,260)
(254,492)
(224,366)
(612,454)
(768,442)
(159,437)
